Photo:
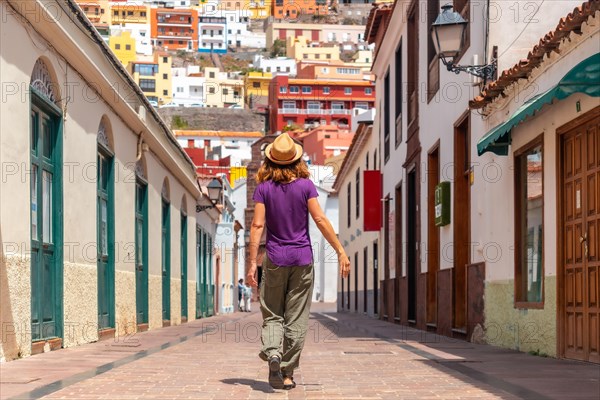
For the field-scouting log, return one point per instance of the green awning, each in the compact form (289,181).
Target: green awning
(583,78)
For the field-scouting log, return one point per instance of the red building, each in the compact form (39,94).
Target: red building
(324,142)
(175,29)
(204,166)
(308,103)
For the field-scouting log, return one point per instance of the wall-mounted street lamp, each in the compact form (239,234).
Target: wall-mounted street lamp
(214,194)
(448,33)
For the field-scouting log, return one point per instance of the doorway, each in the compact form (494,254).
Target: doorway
(375,279)
(411,245)
(579,260)
(433,234)
(462,223)
(46,222)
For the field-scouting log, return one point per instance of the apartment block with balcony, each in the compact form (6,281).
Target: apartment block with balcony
(260,9)
(315,32)
(293,9)
(154,77)
(129,13)
(96,11)
(301,48)
(222,90)
(333,70)
(174,29)
(305,103)
(212,34)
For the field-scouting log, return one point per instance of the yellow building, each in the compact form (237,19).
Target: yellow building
(123,45)
(363,59)
(236,173)
(259,9)
(257,88)
(153,75)
(130,14)
(222,91)
(299,49)
(97,11)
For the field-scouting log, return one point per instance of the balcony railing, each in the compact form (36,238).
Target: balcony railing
(313,111)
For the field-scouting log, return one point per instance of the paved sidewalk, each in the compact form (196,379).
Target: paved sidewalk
(346,356)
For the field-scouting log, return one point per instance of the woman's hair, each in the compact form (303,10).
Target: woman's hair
(282,173)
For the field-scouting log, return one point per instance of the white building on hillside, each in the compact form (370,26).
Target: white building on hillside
(188,86)
(275,65)
(139,32)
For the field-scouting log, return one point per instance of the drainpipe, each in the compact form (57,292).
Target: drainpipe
(140,146)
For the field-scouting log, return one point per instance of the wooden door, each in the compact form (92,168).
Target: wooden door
(580,217)
(433,235)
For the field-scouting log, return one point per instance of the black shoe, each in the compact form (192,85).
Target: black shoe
(275,377)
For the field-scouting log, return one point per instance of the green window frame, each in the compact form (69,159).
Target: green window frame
(166,260)
(105,216)
(46,223)
(184,267)
(141,250)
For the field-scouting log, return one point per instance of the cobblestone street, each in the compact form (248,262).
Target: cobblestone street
(346,357)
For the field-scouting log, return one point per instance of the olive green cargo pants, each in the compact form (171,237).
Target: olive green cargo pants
(285,297)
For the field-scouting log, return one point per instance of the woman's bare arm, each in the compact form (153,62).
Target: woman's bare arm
(256,231)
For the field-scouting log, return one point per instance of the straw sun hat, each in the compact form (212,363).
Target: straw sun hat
(284,150)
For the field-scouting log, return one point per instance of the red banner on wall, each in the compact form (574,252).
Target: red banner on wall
(372,201)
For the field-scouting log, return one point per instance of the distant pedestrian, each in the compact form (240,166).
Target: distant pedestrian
(247,298)
(284,197)
(241,288)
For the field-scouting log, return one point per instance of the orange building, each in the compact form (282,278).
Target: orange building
(174,28)
(325,142)
(292,9)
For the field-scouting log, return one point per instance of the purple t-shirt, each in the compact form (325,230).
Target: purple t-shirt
(286,204)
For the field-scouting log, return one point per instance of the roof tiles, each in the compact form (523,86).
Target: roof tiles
(549,43)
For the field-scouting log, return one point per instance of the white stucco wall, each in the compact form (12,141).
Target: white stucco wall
(82,115)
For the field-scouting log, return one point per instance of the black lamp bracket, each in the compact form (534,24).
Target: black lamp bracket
(485,72)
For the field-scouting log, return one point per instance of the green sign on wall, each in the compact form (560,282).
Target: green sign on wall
(442,204)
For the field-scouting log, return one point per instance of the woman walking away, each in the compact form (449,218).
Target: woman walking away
(284,197)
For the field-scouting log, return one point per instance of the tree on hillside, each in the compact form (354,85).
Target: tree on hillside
(278,48)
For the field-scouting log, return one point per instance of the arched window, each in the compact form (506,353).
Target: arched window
(43,83)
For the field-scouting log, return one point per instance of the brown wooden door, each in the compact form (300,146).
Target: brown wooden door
(580,202)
